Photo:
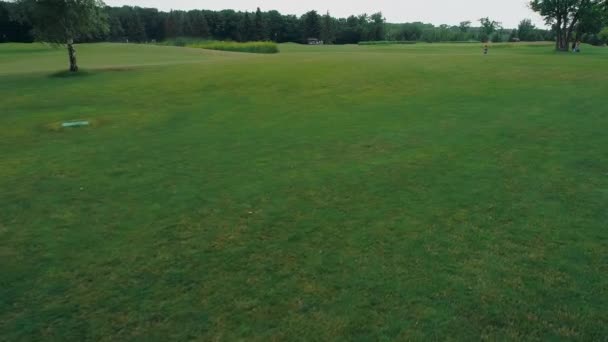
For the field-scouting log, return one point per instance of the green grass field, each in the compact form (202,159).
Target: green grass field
(414,192)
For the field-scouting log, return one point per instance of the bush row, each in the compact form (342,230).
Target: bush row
(251,47)
(386,42)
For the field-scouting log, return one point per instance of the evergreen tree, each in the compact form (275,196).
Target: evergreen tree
(312,25)
(377,22)
(245,29)
(135,29)
(526,30)
(276,26)
(259,26)
(117,32)
(200,25)
(328,29)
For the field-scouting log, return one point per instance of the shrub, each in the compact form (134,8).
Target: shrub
(604,35)
(593,39)
(497,38)
(386,42)
(251,47)
(180,41)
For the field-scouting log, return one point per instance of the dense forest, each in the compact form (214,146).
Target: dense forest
(135,24)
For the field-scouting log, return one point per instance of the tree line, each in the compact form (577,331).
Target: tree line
(136,24)
(488,30)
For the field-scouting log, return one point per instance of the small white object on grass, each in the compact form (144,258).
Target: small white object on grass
(75,124)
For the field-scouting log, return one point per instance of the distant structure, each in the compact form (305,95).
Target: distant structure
(315,41)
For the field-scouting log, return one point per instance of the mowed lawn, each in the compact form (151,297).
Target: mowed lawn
(421,192)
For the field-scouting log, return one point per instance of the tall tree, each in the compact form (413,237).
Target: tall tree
(604,35)
(259,26)
(12,30)
(526,30)
(135,29)
(245,29)
(487,28)
(229,27)
(328,29)
(312,25)
(117,31)
(65,21)
(276,26)
(377,31)
(464,26)
(200,27)
(592,20)
(563,16)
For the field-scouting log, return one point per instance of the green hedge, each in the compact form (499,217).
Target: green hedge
(387,42)
(251,47)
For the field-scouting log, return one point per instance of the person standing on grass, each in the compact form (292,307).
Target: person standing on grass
(485,49)
(578,46)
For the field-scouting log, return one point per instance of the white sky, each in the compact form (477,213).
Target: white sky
(450,12)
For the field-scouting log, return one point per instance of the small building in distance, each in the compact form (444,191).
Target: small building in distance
(315,41)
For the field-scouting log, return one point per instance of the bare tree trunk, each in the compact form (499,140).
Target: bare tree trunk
(563,38)
(72,55)
(567,29)
(558,38)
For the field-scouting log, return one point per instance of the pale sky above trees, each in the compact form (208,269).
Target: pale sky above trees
(452,12)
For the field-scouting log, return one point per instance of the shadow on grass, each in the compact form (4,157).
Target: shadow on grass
(70,74)
(85,73)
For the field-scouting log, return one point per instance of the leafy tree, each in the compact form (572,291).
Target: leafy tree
(592,20)
(464,26)
(64,22)
(497,37)
(312,25)
(604,35)
(259,26)
(527,30)
(12,30)
(412,31)
(245,30)
(198,23)
(135,29)
(153,22)
(488,27)
(230,29)
(377,31)
(172,25)
(117,32)
(292,29)
(349,30)
(564,15)
(328,29)
(186,26)
(276,26)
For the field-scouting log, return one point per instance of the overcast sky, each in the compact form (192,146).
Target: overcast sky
(451,12)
